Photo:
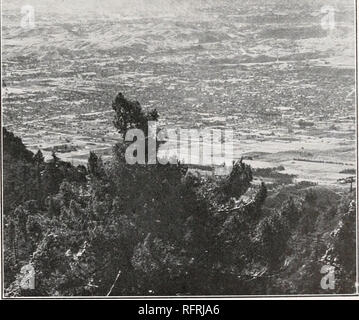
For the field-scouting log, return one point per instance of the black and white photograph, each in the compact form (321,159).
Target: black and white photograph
(178,148)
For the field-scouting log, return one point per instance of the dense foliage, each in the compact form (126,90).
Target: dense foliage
(118,229)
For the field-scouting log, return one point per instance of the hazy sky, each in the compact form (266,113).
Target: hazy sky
(109,6)
(145,7)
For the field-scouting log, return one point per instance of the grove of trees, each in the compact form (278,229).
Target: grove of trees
(110,228)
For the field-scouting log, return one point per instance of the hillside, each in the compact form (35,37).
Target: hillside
(119,229)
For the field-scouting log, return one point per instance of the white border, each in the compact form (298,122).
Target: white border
(354,296)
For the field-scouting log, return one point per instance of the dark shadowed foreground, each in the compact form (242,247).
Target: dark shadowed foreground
(117,229)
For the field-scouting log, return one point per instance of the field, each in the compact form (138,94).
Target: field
(269,71)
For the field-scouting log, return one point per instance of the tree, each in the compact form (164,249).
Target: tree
(290,211)
(52,175)
(39,165)
(341,252)
(238,181)
(39,158)
(273,232)
(66,193)
(95,166)
(129,115)
(14,147)
(21,219)
(53,209)
(261,195)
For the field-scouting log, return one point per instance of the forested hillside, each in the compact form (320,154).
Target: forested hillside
(116,229)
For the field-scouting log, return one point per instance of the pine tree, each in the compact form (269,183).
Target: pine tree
(21,218)
(129,114)
(92,163)
(66,193)
(238,181)
(39,158)
(290,211)
(95,166)
(52,175)
(261,195)
(52,210)
(39,164)
(12,238)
